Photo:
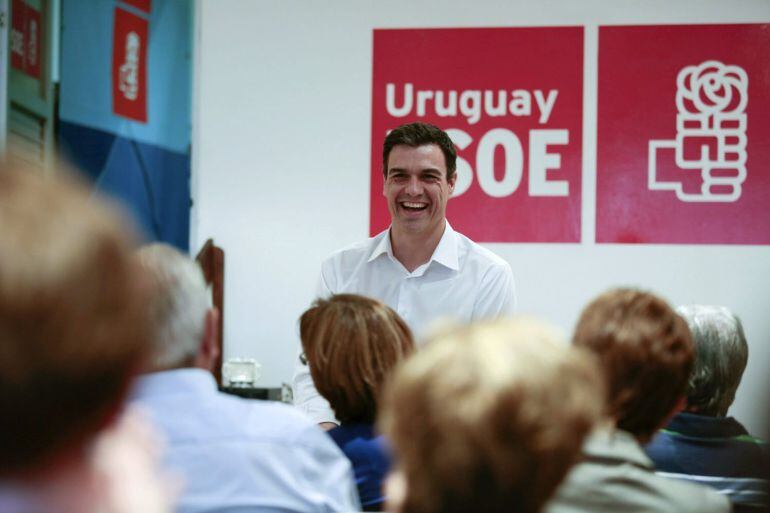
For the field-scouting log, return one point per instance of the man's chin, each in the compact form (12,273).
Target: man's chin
(414,225)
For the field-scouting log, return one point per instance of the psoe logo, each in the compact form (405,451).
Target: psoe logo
(129,70)
(711,138)
(32,46)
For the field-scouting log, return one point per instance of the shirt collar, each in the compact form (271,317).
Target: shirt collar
(174,382)
(616,445)
(444,254)
(446,251)
(705,426)
(382,246)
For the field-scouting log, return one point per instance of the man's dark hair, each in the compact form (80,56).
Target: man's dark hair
(420,134)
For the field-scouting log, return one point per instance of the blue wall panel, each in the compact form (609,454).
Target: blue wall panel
(151,182)
(146,166)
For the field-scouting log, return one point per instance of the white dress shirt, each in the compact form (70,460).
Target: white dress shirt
(238,455)
(462,281)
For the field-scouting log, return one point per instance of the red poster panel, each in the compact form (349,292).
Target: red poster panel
(26,38)
(142,5)
(684,135)
(129,66)
(511,99)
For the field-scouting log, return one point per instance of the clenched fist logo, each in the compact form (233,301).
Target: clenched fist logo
(710,138)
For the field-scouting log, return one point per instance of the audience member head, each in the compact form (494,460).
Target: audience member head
(646,353)
(183,323)
(419,134)
(72,327)
(352,343)
(721,354)
(489,418)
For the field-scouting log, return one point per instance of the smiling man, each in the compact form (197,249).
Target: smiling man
(419,266)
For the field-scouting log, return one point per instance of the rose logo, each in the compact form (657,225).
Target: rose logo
(711,88)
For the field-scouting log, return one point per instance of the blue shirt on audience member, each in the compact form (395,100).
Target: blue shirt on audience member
(368,454)
(717,452)
(242,455)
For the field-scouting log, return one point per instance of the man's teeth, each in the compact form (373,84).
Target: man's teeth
(413,205)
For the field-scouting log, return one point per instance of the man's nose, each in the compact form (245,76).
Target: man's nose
(414,187)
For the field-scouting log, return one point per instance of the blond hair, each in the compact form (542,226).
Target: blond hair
(352,343)
(490,417)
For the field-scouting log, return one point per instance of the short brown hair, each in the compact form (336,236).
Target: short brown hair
(420,134)
(646,352)
(351,344)
(72,329)
(490,417)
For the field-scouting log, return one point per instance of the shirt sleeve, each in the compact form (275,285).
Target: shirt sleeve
(497,293)
(306,397)
(326,472)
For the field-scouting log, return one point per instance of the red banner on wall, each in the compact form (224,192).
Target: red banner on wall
(683,135)
(129,66)
(511,100)
(26,38)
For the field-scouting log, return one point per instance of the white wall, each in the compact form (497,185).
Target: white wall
(281,168)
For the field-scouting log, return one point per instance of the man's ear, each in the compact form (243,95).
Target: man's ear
(452,182)
(209,348)
(384,183)
(678,407)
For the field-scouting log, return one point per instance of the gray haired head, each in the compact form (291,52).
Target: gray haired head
(178,306)
(721,353)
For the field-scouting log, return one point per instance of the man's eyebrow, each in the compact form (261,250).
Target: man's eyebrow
(426,171)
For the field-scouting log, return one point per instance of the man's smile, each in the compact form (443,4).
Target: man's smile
(413,206)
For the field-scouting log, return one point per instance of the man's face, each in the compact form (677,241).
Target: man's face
(417,188)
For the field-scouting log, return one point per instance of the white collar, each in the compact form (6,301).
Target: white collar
(444,254)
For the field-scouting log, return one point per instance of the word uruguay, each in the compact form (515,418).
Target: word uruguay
(471,103)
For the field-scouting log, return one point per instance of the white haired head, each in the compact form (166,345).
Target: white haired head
(179,305)
(721,354)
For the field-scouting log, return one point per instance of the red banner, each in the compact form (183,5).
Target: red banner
(129,66)
(26,39)
(511,100)
(683,134)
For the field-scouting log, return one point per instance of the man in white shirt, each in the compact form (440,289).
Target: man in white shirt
(420,266)
(233,454)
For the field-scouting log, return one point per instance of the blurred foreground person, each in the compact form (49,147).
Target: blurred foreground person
(352,344)
(233,454)
(646,353)
(72,334)
(488,418)
(702,444)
